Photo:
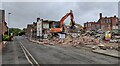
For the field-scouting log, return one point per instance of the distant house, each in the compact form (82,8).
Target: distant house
(29,30)
(108,23)
(104,23)
(91,25)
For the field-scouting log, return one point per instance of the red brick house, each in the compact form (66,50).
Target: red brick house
(90,25)
(108,23)
(104,23)
(29,30)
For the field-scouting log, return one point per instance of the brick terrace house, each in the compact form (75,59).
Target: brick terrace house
(29,30)
(104,23)
(91,25)
(34,29)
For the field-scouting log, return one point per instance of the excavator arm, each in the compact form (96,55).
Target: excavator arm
(58,30)
(63,18)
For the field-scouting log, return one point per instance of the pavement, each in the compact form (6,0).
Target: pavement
(13,54)
(112,53)
(108,52)
(2,45)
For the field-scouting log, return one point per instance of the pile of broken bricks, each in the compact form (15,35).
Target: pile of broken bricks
(80,41)
(70,41)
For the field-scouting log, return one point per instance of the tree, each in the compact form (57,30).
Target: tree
(15,31)
(22,32)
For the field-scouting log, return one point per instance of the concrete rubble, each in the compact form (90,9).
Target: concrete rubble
(83,40)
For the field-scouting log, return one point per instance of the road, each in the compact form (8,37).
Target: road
(46,54)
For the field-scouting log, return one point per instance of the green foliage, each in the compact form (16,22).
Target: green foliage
(6,37)
(21,33)
(15,31)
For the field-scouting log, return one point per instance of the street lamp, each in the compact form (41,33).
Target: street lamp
(8,22)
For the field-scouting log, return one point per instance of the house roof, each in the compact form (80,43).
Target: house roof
(50,21)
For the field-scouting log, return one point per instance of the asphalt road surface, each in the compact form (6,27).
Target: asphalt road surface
(46,54)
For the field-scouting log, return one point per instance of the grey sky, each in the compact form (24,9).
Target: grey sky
(24,13)
(59,0)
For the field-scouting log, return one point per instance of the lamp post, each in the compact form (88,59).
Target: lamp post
(8,22)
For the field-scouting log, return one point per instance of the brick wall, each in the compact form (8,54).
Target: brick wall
(104,23)
(29,27)
(90,25)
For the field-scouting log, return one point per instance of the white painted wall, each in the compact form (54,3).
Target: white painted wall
(39,28)
(45,25)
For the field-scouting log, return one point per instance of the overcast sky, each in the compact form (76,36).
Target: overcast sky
(24,13)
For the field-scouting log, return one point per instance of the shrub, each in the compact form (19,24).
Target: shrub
(6,38)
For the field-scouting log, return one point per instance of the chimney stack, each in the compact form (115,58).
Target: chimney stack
(115,16)
(100,15)
(105,16)
(38,19)
(33,22)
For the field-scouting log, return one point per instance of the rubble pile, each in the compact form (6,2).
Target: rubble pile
(82,40)
(72,41)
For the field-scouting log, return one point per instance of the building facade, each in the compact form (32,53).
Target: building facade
(91,25)
(29,30)
(43,27)
(3,24)
(104,23)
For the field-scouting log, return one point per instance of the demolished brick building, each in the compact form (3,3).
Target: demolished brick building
(104,23)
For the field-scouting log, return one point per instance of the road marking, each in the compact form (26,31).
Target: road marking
(26,55)
(27,52)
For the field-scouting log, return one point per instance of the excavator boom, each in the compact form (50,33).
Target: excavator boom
(58,30)
(63,18)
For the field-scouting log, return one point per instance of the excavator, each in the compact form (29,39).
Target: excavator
(61,28)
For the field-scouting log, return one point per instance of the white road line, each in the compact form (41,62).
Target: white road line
(29,54)
(26,55)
